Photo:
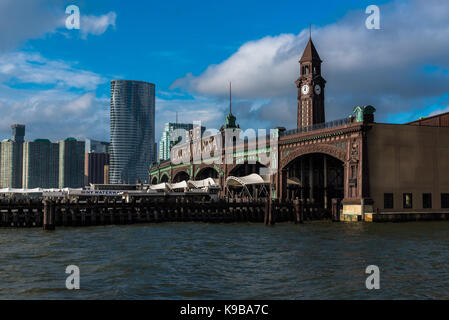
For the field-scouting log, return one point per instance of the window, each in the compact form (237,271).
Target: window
(445,200)
(407,201)
(388,201)
(306,70)
(427,200)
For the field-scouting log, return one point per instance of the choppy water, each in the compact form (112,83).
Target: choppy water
(320,260)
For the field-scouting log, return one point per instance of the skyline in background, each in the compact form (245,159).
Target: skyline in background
(57,81)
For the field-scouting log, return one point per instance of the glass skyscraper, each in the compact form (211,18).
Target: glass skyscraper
(132,149)
(166,143)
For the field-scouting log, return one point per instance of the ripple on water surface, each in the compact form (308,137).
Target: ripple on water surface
(227,261)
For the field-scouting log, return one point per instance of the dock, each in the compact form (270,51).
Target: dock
(52,213)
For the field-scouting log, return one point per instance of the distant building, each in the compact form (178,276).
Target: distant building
(106,174)
(11,164)
(166,144)
(18,133)
(97,146)
(132,131)
(96,157)
(71,163)
(40,164)
(11,158)
(94,167)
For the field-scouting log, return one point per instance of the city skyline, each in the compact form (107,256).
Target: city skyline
(48,71)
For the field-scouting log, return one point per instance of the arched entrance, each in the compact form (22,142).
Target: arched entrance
(315,178)
(154,180)
(246,169)
(207,172)
(164,178)
(181,176)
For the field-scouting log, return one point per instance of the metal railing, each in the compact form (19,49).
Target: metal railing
(318,126)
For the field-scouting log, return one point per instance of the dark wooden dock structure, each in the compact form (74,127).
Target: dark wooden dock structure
(52,213)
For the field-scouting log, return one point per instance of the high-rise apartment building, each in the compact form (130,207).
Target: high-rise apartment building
(95,166)
(40,164)
(11,158)
(167,141)
(97,146)
(96,157)
(132,131)
(11,164)
(18,133)
(71,163)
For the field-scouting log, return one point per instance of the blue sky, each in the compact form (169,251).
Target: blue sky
(57,81)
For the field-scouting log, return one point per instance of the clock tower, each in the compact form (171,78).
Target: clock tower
(310,88)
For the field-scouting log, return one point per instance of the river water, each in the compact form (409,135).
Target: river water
(319,260)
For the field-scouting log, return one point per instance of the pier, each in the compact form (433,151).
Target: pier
(52,213)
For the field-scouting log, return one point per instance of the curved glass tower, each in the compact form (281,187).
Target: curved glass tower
(132,149)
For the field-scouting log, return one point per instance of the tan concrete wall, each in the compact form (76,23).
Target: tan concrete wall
(408,159)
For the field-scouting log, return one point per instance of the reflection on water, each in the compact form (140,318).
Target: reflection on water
(319,260)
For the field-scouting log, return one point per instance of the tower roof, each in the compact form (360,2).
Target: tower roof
(310,53)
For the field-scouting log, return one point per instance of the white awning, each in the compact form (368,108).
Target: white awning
(179,185)
(202,183)
(17,190)
(160,186)
(252,179)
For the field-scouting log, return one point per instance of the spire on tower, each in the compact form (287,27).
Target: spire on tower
(230,118)
(230,97)
(310,53)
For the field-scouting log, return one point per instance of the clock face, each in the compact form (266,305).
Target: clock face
(305,89)
(318,89)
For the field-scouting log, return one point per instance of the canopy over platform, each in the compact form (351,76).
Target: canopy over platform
(16,190)
(257,182)
(37,190)
(161,187)
(208,182)
(179,185)
(252,179)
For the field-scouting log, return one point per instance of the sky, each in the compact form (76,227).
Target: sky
(56,81)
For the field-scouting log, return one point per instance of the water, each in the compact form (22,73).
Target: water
(320,260)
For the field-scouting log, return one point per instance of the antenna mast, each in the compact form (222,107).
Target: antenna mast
(230,97)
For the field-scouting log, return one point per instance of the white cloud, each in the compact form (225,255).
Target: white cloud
(207,110)
(31,19)
(55,114)
(32,68)
(53,99)
(386,68)
(96,25)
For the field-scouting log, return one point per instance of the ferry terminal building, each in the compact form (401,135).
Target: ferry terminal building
(370,167)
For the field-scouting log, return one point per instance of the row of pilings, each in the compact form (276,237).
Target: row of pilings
(51,213)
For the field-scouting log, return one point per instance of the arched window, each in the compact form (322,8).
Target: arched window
(306,70)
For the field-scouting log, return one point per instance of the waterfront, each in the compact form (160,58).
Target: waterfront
(319,260)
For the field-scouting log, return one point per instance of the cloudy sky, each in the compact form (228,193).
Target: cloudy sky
(57,81)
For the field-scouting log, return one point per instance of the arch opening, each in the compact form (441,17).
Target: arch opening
(246,169)
(315,178)
(205,173)
(181,176)
(164,178)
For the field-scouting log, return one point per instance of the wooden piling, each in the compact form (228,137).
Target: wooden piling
(49,215)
